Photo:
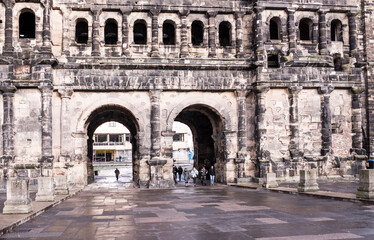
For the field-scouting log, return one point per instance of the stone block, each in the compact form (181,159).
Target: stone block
(308,181)
(270,180)
(18,197)
(46,191)
(61,187)
(366,186)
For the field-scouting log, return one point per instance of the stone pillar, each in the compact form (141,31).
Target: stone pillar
(65,31)
(212,34)
(326,119)
(65,124)
(308,181)
(95,32)
(61,186)
(357,138)
(125,33)
(352,34)
(154,50)
(46,119)
(239,34)
(242,133)
(17,197)
(270,180)
(46,26)
(46,191)
(264,163)
(294,146)
(184,41)
(8,44)
(291,31)
(259,37)
(366,187)
(8,122)
(322,33)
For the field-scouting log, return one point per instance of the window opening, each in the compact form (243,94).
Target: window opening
(197,33)
(27,25)
(274,29)
(305,29)
(168,33)
(81,32)
(111,32)
(225,34)
(140,32)
(336,30)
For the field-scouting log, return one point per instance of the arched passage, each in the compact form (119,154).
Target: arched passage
(207,129)
(114,113)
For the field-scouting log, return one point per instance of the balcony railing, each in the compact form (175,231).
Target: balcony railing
(108,143)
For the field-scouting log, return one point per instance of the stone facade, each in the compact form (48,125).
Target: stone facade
(265,86)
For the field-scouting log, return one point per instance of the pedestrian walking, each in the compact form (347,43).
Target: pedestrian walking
(117,173)
(186,175)
(180,171)
(212,173)
(194,174)
(175,170)
(203,173)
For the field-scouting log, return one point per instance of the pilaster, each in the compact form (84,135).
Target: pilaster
(46,27)
(259,37)
(326,119)
(8,122)
(154,15)
(65,134)
(322,32)
(357,136)
(242,155)
(125,32)
(184,42)
(291,31)
(294,146)
(95,32)
(212,34)
(8,43)
(239,34)
(352,34)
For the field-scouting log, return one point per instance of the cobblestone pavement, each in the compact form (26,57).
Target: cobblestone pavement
(114,211)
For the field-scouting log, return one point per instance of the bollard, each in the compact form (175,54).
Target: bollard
(270,180)
(18,197)
(61,187)
(366,186)
(46,191)
(308,181)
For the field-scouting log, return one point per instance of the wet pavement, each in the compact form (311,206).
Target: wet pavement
(113,210)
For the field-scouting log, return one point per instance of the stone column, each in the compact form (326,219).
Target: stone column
(154,50)
(291,30)
(184,41)
(65,34)
(8,123)
(212,34)
(259,37)
(294,146)
(322,33)
(242,133)
(17,197)
(65,124)
(46,191)
(352,34)
(95,32)
(125,32)
(61,187)
(46,26)
(8,44)
(308,181)
(326,119)
(366,187)
(264,163)
(357,138)
(46,119)
(239,34)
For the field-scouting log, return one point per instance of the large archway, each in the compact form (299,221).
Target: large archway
(206,125)
(112,113)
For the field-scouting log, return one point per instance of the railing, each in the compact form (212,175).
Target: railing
(108,143)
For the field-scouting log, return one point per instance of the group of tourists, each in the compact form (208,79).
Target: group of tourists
(203,175)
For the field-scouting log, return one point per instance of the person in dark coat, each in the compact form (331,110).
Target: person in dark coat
(175,171)
(180,171)
(203,173)
(212,174)
(117,173)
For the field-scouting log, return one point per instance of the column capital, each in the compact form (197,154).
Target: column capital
(9,3)
(96,10)
(357,90)
(239,15)
(291,10)
(212,14)
(325,90)
(261,89)
(155,12)
(294,89)
(184,13)
(126,11)
(46,87)
(322,11)
(241,93)
(66,93)
(8,88)
(258,9)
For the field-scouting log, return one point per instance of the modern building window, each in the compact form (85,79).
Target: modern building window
(127,137)
(140,32)
(305,29)
(225,34)
(111,32)
(336,30)
(168,33)
(197,33)
(275,26)
(273,61)
(81,31)
(27,25)
(179,137)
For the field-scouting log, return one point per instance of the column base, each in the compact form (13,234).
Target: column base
(17,208)
(270,180)
(243,180)
(45,190)
(366,187)
(18,200)
(61,187)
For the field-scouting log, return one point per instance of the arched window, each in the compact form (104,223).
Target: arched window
(336,30)
(27,25)
(225,34)
(168,33)
(275,26)
(111,32)
(140,32)
(197,33)
(81,31)
(305,29)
